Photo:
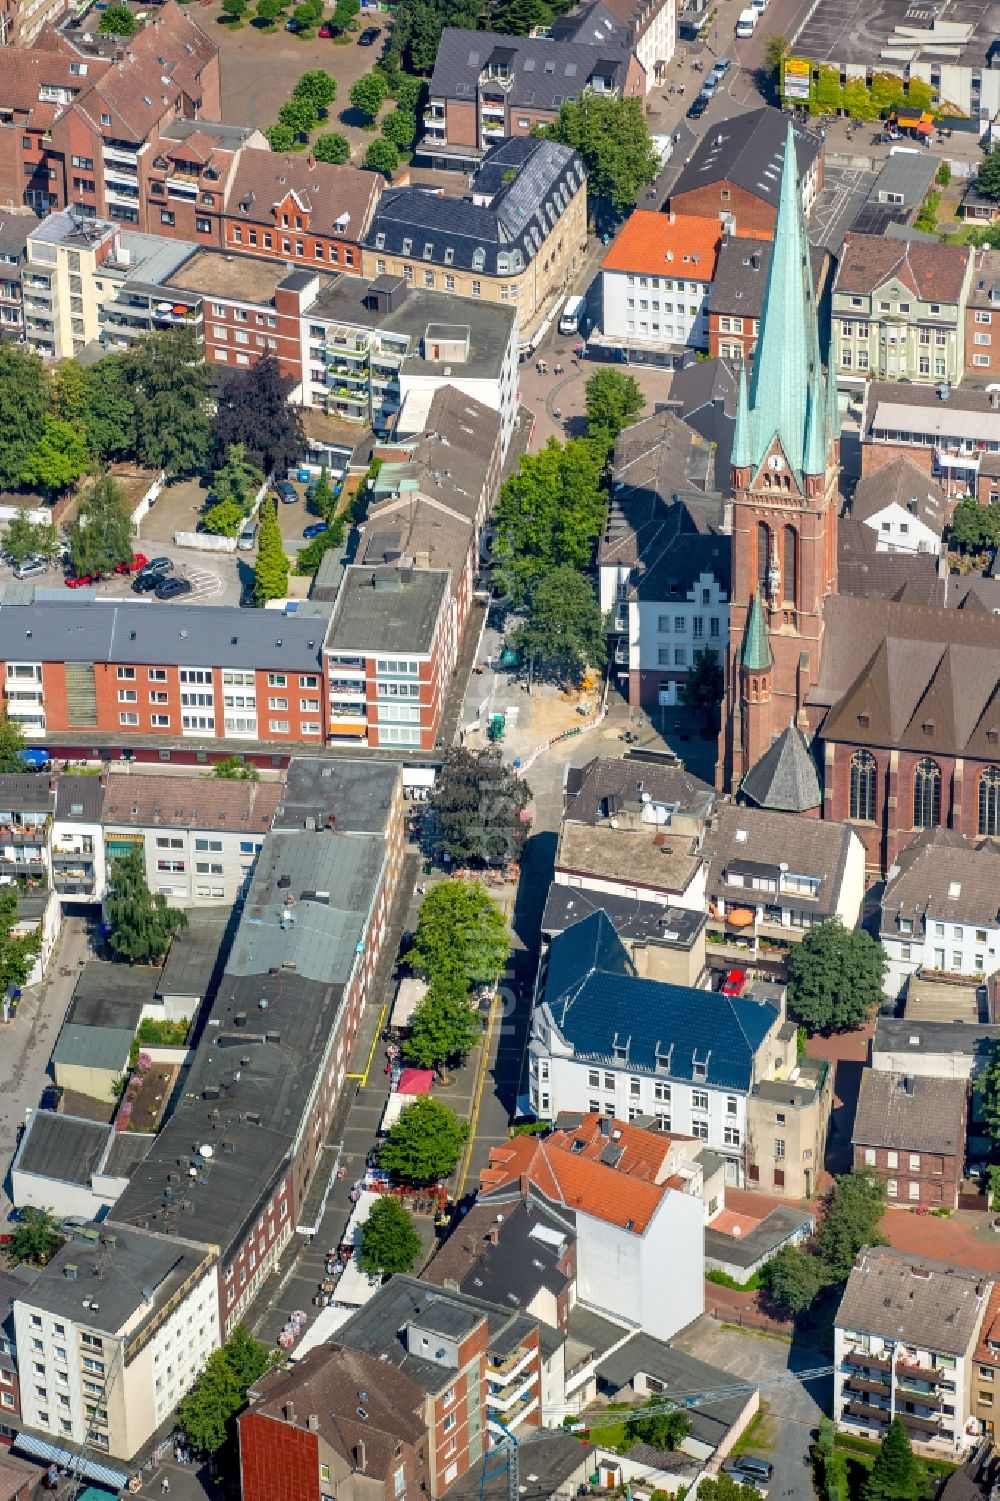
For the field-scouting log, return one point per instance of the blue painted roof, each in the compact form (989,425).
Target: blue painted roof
(598,1006)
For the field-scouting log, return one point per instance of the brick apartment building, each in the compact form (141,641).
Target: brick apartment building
(982,317)
(737,294)
(734,173)
(186,175)
(22,20)
(909,1130)
(953,434)
(299,210)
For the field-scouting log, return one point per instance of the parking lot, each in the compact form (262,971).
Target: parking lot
(836,208)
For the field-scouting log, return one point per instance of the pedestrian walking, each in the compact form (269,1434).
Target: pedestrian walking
(165,1485)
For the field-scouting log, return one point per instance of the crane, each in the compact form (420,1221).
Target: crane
(504,1456)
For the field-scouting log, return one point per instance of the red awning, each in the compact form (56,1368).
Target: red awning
(415,1081)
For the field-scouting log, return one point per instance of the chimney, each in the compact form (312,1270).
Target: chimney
(312,1422)
(493,1235)
(908,1084)
(289,1411)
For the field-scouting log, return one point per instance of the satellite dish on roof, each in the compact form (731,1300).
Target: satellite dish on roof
(207,1150)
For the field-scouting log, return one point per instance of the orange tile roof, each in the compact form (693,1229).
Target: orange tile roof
(988,1348)
(655,244)
(644,1153)
(728,1223)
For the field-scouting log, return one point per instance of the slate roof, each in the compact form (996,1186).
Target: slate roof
(911,1113)
(682,1375)
(544,71)
(905,484)
(597,1008)
(455,231)
(704,394)
(808,846)
(934,273)
(863,570)
(931,1304)
(119,631)
(606,777)
(25,792)
(79,799)
(939,875)
(656,460)
(741,275)
(518,1267)
(785,778)
(549,1463)
(328,193)
(635,921)
(746,150)
(889,669)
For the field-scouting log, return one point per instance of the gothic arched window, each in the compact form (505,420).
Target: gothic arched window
(864,771)
(926,794)
(789,572)
(763,554)
(989,802)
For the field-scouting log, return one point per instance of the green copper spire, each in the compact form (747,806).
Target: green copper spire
(787,359)
(742,456)
(756,646)
(832,405)
(815,448)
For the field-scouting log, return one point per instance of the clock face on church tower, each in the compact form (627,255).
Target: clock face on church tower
(776,463)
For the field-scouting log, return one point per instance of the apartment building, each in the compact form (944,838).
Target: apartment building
(110,1335)
(604,1040)
(22,20)
(953,435)
(297,980)
(199,836)
(299,211)
(987,1364)
(650,28)
(909,1131)
(77,848)
(487,87)
(737,293)
(734,173)
(27,802)
(899,311)
(186,177)
(982,317)
(389,654)
(15,227)
(907,511)
(788,1120)
(905,1339)
(939,908)
(518,239)
(64,258)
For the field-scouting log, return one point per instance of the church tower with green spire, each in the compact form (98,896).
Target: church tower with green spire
(785,467)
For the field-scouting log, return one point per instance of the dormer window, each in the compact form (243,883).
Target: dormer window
(380,242)
(407,246)
(478,258)
(428,250)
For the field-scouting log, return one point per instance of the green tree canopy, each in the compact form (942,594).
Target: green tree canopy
(11,742)
(253,409)
(564,631)
(974,526)
(140,924)
(988,177)
(237,479)
(36,1238)
(724,1488)
(332,147)
(987,1087)
(268,12)
(368,94)
(854,1208)
(897,1474)
(118,20)
(299,115)
(235,769)
(18,951)
(701,690)
(520,17)
(793,1278)
(445,1026)
(24,400)
(59,457)
(400,127)
(206,1414)
(235,10)
(389,1241)
(425,1143)
(835,977)
(549,513)
(661,1430)
(224,519)
(613,401)
(106,407)
(173,403)
(382,156)
(318,87)
(270,573)
(30,539)
(612,137)
(280,137)
(101,535)
(477,806)
(461,937)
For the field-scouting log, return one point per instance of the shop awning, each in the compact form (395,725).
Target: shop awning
(415,1081)
(75,1463)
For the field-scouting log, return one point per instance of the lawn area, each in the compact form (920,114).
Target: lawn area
(759,1433)
(861,1456)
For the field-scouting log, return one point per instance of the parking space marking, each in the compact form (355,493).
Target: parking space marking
(204,583)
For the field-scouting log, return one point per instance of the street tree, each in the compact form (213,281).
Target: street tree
(101,536)
(18,951)
(36,1238)
(775,53)
(247,1359)
(59,457)
(118,20)
(204,1414)
(461,939)
(318,87)
(408,92)
(612,137)
(382,156)
(140,924)
(280,138)
(270,575)
(854,1209)
(253,409)
(333,148)
(267,14)
(389,1241)
(661,1430)
(444,1027)
(11,742)
(425,1143)
(701,690)
(987,1088)
(368,94)
(550,513)
(478,807)
(400,127)
(235,10)
(613,402)
(299,115)
(173,402)
(897,1474)
(564,630)
(24,400)
(793,1277)
(835,977)
(988,177)
(30,539)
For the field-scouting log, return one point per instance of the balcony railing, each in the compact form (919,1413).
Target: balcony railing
(933,1375)
(862,1360)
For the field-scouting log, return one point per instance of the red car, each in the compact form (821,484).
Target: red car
(325,33)
(82,581)
(139,561)
(734,982)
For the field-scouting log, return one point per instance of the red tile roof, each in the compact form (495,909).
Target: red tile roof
(988,1348)
(654,244)
(931,272)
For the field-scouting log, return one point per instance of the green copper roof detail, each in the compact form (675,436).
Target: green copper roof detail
(787,362)
(756,646)
(742,455)
(815,448)
(832,404)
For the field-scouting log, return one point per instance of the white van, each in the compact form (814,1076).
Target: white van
(746,22)
(248,536)
(572,317)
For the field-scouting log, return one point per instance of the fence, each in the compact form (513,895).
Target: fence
(147,500)
(204,542)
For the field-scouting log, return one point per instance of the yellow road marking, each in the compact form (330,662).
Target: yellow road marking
(478,1096)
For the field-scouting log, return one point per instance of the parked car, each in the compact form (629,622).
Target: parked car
(369,36)
(723,66)
(697,107)
(136,564)
(325,33)
(50,1097)
(159,565)
(145,582)
(248,596)
(31,567)
(170,588)
(82,580)
(735,982)
(286,492)
(711,83)
(314,530)
(748,1469)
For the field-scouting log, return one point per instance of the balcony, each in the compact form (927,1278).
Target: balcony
(932,1375)
(347,349)
(74,883)
(514,1394)
(922,1428)
(74,858)
(505,1370)
(119,154)
(29,868)
(861,1386)
(515,1415)
(19,834)
(868,1413)
(861,1360)
(930,1400)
